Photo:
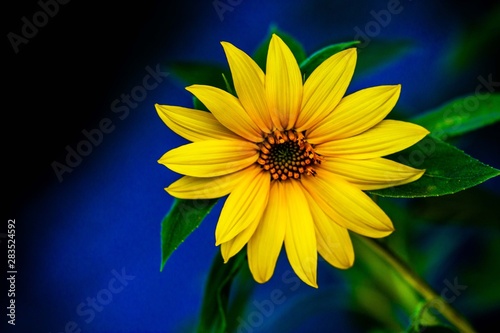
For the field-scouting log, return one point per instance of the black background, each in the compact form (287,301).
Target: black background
(63,78)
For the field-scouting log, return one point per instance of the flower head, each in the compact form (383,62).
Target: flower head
(293,157)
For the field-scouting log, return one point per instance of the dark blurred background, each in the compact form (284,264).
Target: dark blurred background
(80,227)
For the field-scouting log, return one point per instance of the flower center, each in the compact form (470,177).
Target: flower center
(287,155)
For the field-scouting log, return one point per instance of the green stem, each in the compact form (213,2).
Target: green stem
(417,283)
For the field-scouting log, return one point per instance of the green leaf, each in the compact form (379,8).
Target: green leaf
(182,219)
(461,115)
(448,170)
(200,73)
(432,329)
(198,105)
(309,65)
(217,289)
(379,53)
(425,320)
(386,287)
(260,54)
(241,290)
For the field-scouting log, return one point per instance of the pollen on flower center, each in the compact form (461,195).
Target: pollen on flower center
(288,155)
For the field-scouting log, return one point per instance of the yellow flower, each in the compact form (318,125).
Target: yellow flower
(293,157)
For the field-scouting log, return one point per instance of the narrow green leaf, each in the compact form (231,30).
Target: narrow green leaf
(229,87)
(242,288)
(260,54)
(427,319)
(200,73)
(461,115)
(448,170)
(203,73)
(379,53)
(198,105)
(213,318)
(432,329)
(309,65)
(182,219)
(386,286)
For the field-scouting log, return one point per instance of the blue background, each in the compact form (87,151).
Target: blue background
(104,216)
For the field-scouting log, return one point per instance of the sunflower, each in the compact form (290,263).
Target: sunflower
(293,158)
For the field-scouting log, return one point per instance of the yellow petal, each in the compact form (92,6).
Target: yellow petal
(347,205)
(204,188)
(210,158)
(334,243)
(249,84)
(265,245)
(387,137)
(234,245)
(244,205)
(228,111)
(355,114)
(283,84)
(193,125)
(371,174)
(300,238)
(325,87)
